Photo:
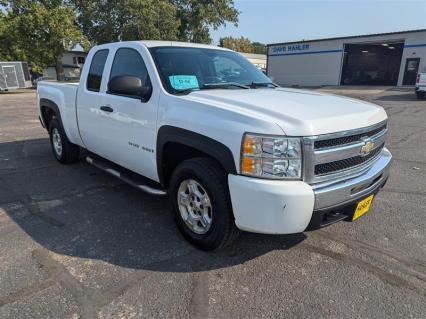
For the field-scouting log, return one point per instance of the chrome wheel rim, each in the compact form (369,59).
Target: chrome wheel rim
(57,143)
(195,206)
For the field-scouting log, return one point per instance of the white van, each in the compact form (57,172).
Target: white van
(421,85)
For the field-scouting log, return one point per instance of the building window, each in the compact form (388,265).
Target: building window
(81,60)
(74,60)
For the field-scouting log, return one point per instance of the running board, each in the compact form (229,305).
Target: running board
(133,182)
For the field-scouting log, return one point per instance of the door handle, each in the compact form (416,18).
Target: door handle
(106,108)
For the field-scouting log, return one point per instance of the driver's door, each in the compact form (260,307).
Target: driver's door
(132,122)
(123,128)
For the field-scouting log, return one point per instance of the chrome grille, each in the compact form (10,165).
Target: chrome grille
(327,168)
(337,155)
(347,139)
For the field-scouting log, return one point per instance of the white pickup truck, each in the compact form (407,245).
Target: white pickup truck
(232,150)
(420,88)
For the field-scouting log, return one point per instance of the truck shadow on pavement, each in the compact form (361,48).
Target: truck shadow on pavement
(79,211)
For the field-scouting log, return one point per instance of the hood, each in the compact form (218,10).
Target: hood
(297,112)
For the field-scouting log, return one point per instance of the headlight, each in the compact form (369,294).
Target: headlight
(271,157)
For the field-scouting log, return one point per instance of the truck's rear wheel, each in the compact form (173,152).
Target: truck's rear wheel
(420,95)
(200,200)
(63,150)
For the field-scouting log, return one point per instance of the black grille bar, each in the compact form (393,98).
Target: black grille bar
(327,168)
(346,139)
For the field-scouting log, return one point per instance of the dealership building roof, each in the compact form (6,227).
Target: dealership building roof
(350,37)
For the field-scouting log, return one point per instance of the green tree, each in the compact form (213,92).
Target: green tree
(237,44)
(259,48)
(242,44)
(41,31)
(106,21)
(197,17)
(8,48)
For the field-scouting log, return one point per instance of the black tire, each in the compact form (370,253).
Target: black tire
(210,175)
(420,95)
(70,152)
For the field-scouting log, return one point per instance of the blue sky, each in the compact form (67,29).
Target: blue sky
(272,21)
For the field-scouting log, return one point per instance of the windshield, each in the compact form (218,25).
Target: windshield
(187,69)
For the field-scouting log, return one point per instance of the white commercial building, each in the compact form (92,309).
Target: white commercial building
(376,59)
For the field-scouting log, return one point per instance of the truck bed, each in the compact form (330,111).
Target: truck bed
(63,94)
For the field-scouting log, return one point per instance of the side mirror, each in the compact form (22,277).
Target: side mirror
(129,86)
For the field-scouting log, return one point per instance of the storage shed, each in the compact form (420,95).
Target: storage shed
(14,75)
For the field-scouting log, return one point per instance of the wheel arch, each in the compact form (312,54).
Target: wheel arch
(176,144)
(48,110)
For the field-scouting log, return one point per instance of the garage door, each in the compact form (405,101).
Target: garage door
(372,63)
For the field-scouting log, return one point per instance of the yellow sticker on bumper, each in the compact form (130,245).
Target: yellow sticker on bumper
(363,207)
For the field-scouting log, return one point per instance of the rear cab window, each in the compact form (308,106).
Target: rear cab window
(96,70)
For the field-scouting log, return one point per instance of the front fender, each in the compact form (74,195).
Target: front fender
(202,143)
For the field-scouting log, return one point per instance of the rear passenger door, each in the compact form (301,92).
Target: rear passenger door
(91,120)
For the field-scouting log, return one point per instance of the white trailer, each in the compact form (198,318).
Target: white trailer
(14,75)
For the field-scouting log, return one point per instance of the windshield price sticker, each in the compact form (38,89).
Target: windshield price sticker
(184,82)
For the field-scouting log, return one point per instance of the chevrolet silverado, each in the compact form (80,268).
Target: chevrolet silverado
(232,150)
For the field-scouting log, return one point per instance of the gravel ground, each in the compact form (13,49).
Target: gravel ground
(78,243)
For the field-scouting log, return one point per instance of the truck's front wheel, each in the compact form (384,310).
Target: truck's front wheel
(63,150)
(200,200)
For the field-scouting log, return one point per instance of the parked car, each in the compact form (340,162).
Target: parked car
(421,86)
(232,150)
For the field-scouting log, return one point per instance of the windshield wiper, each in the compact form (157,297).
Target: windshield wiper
(210,86)
(262,84)
(223,85)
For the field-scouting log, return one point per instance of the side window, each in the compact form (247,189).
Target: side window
(96,69)
(129,62)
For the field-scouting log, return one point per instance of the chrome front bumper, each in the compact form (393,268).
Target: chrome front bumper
(345,190)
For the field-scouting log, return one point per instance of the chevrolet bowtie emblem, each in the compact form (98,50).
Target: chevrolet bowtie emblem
(367,147)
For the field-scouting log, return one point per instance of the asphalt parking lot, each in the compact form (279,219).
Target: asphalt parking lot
(78,243)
